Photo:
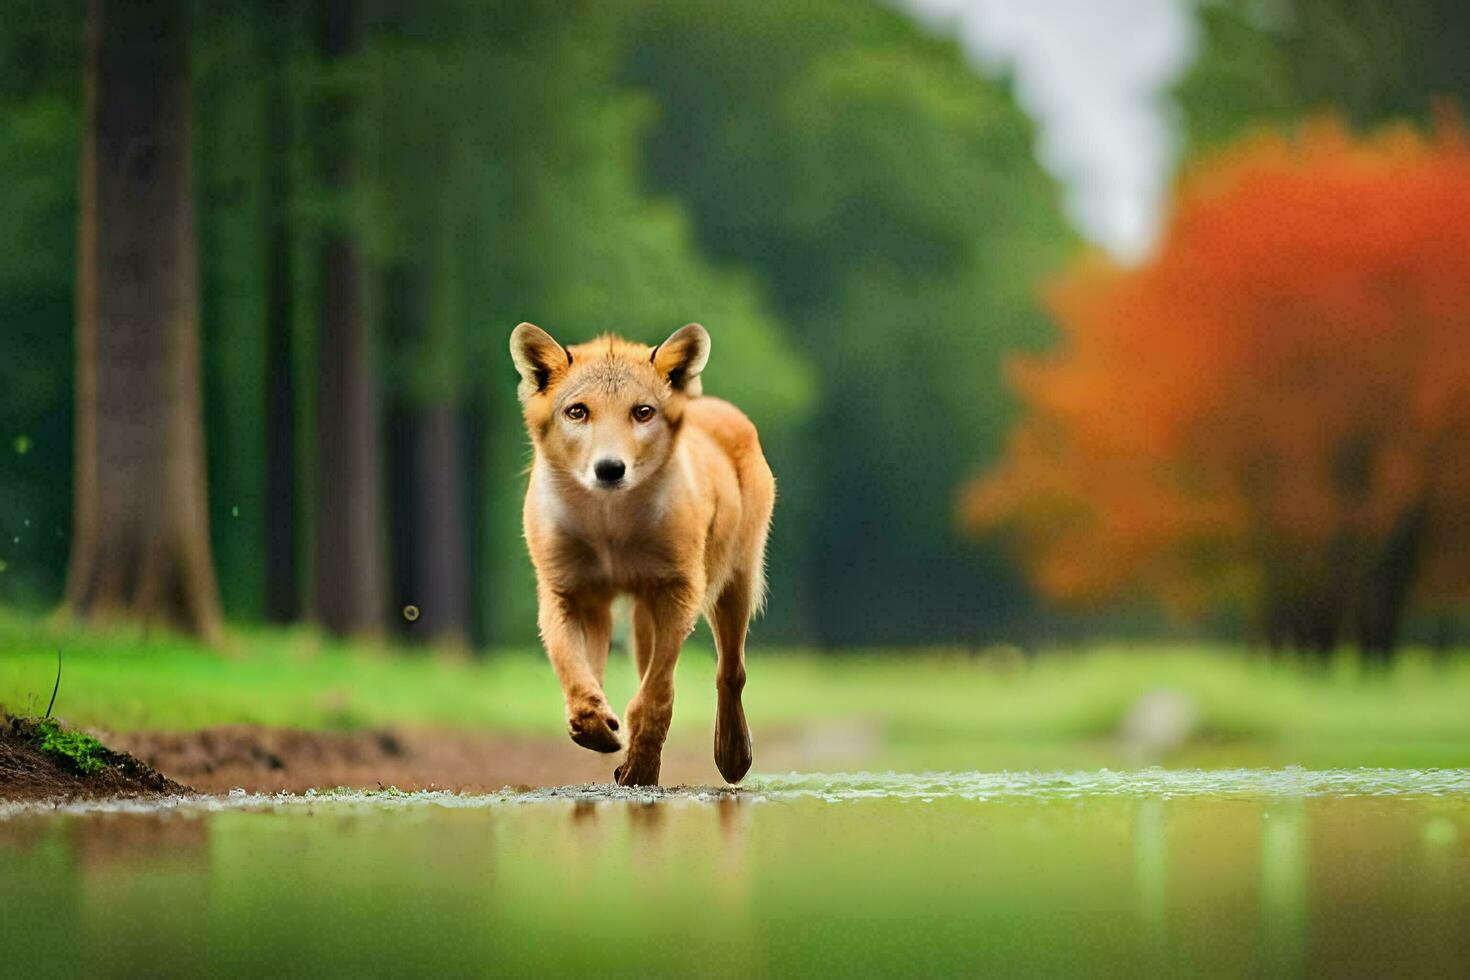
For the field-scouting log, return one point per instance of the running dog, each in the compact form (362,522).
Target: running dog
(641,486)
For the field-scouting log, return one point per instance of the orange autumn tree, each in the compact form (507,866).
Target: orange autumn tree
(1273,413)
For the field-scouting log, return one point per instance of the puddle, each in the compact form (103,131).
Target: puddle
(849,787)
(1242,871)
(1163,783)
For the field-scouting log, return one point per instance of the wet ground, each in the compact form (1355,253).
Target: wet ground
(1272,872)
(272,760)
(29,771)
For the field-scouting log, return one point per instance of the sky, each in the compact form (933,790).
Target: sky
(1094,75)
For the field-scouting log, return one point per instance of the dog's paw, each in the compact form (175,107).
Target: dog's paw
(732,749)
(638,770)
(594,726)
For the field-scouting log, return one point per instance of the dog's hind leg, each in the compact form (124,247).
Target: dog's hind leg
(730,620)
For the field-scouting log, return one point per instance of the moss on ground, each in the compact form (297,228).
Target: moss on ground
(81,750)
(42,759)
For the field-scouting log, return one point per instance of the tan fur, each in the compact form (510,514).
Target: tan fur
(684,533)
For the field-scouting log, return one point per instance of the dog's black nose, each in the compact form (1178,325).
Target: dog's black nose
(609,470)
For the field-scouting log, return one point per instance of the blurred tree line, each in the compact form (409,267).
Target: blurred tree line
(381,188)
(1262,417)
(343,205)
(1269,63)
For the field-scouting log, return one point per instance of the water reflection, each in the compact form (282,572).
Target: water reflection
(584,812)
(1147,883)
(734,820)
(129,840)
(1151,876)
(1281,872)
(646,820)
(1284,887)
(22,834)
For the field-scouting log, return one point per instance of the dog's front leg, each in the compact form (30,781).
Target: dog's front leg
(673,611)
(576,632)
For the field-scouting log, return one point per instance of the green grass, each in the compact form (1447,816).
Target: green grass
(80,749)
(915,710)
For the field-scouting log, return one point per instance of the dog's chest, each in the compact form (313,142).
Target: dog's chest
(618,563)
(606,548)
(623,564)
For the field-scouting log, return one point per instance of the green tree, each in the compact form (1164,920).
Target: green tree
(350,562)
(40,130)
(278,37)
(854,213)
(140,535)
(230,120)
(504,184)
(890,197)
(1271,63)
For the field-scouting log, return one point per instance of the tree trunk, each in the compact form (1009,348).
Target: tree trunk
(349,526)
(427,481)
(282,587)
(476,463)
(1304,599)
(440,559)
(1389,582)
(140,546)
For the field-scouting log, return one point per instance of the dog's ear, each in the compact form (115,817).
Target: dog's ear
(682,357)
(537,357)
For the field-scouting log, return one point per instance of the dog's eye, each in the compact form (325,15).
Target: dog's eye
(643,413)
(577,412)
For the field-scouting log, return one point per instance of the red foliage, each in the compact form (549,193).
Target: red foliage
(1276,409)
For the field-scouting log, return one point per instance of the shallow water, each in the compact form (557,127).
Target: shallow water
(1255,871)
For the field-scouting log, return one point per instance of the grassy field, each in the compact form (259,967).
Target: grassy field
(1063,708)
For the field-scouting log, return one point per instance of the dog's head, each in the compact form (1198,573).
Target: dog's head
(605,413)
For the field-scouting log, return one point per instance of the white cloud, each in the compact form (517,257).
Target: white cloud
(1094,75)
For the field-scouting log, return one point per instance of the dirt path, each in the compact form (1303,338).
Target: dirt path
(28,773)
(269,760)
(266,760)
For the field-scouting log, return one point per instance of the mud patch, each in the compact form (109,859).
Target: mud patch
(28,773)
(274,760)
